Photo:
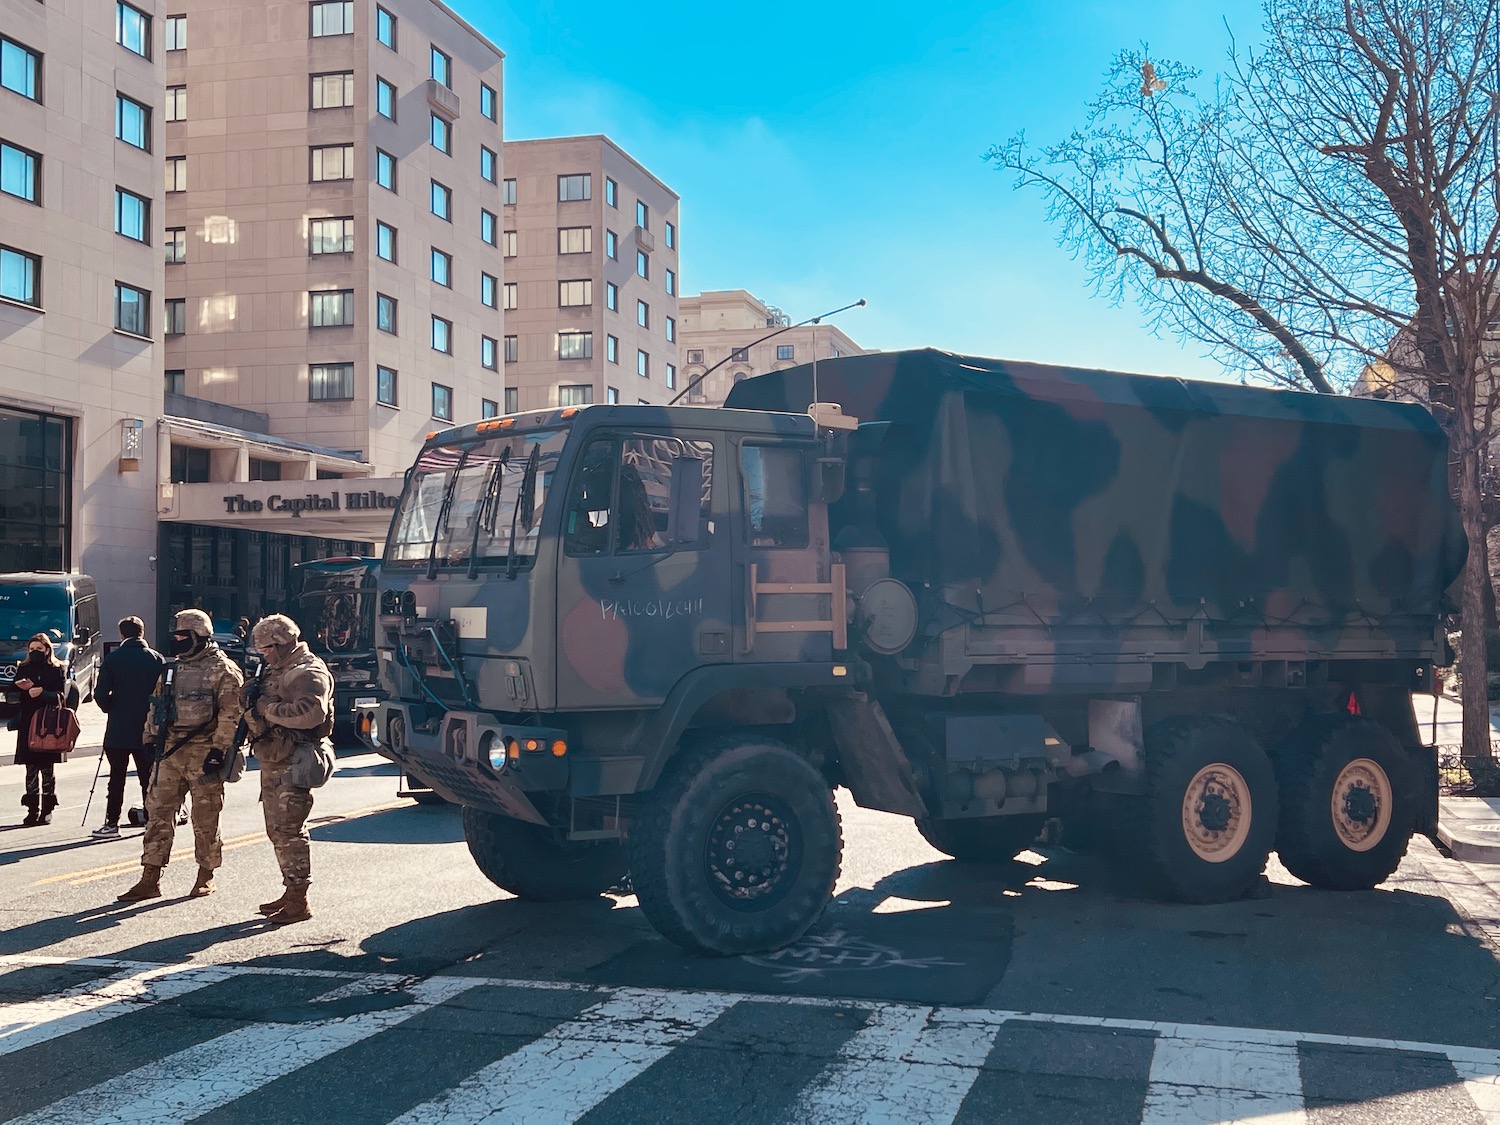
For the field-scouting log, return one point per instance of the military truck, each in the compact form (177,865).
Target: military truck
(1184,618)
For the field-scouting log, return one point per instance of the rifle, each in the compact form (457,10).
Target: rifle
(250,695)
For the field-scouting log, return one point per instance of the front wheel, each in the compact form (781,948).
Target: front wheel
(737,848)
(535,862)
(982,839)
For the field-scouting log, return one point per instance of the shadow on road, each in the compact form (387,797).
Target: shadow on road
(411,824)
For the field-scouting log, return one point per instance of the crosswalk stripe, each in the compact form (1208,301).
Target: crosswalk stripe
(207,1075)
(561,1076)
(27,1023)
(1225,1081)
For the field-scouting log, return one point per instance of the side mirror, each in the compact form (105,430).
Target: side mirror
(827,483)
(685,501)
(81,635)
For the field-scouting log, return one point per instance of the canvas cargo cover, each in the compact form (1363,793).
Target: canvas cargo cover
(1033,490)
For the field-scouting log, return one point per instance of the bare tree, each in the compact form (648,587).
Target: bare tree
(1325,211)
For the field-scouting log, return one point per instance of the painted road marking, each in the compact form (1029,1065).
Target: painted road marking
(1224,1080)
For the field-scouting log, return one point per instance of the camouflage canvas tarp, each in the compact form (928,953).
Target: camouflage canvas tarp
(1052,490)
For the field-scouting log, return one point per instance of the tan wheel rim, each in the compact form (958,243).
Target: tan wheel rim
(1216,813)
(1361,805)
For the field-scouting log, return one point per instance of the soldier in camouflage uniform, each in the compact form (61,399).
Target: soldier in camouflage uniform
(206,711)
(294,704)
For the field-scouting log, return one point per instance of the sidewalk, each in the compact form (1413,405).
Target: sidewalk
(1469,827)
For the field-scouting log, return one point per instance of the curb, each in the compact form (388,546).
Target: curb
(1467,850)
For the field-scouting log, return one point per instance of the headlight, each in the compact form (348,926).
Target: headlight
(492,750)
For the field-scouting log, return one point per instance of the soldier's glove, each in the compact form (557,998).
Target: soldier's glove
(213,762)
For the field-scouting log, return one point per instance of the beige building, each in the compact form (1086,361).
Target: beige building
(81,279)
(334,275)
(591,245)
(723,332)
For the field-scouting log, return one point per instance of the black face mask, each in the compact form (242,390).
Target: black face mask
(33,657)
(183,646)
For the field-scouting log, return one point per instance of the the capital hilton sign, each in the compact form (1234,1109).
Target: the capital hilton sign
(367,500)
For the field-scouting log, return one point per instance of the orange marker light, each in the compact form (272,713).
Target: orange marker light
(533,745)
(559,748)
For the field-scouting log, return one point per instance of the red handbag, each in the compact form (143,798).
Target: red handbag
(53,728)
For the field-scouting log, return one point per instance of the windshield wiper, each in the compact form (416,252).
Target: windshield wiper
(485,517)
(442,520)
(525,501)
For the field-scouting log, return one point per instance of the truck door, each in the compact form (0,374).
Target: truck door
(643,590)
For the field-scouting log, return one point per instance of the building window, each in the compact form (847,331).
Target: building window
(489,408)
(786,351)
(643,314)
(132,310)
(385,99)
(642,364)
(440,201)
(671,376)
(132,29)
(575,240)
(508,193)
(442,68)
(133,122)
(176,310)
(642,264)
(176,244)
(261,469)
(489,353)
(385,386)
(510,295)
(442,267)
(611,192)
(575,394)
(176,382)
(740,355)
(385,29)
(575,345)
(333,91)
(611,245)
(487,104)
(642,215)
(671,327)
(612,349)
(442,335)
(611,296)
(611,395)
(20,276)
(671,283)
(442,402)
(695,355)
(671,237)
(441,135)
(385,169)
(190,465)
(573,293)
(176,105)
(132,215)
(512,349)
(332,162)
(489,163)
(385,313)
(176,173)
(487,227)
(332,308)
(508,244)
(512,400)
(332,17)
(489,285)
(331,236)
(577,186)
(176,33)
(20,172)
(20,69)
(330,382)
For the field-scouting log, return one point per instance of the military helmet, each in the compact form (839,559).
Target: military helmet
(193,621)
(277,629)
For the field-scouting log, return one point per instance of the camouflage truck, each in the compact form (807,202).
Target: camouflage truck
(1184,618)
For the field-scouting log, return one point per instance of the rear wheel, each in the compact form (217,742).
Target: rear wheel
(1204,829)
(1347,806)
(535,862)
(983,839)
(737,848)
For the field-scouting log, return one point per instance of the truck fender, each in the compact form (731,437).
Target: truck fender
(876,768)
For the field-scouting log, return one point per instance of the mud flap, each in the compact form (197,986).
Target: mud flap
(875,766)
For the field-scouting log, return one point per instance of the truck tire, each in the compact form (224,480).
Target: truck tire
(536,863)
(1204,829)
(982,839)
(1347,803)
(693,885)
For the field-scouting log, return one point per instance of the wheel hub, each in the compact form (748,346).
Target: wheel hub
(1361,805)
(749,852)
(1216,812)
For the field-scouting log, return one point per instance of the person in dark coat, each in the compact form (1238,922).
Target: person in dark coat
(123,693)
(41,681)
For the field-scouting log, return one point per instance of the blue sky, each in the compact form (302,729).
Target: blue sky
(830,151)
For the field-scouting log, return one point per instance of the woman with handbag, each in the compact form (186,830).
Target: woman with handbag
(41,682)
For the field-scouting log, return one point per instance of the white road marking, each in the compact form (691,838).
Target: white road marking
(561,1076)
(899,1067)
(1224,1080)
(1481,1079)
(207,1075)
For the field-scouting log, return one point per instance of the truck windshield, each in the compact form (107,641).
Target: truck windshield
(28,610)
(464,500)
(337,612)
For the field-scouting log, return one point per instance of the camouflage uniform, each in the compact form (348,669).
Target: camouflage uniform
(295,705)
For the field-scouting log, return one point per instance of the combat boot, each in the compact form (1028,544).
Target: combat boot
(294,909)
(148,887)
(269,908)
(203,884)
